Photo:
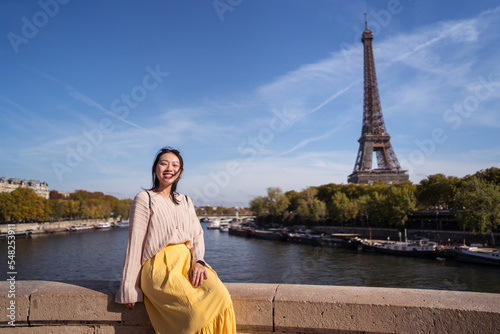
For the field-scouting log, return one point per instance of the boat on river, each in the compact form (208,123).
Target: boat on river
(417,248)
(304,238)
(121,224)
(241,231)
(270,234)
(489,256)
(214,224)
(18,234)
(224,225)
(103,226)
(80,228)
(341,240)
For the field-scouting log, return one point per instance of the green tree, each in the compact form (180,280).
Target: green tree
(339,208)
(398,205)
(364,209)
(325,192)
(58,209)
(490,175)
(293,200)
(477,204)
(310,209)
(276,201)
(122,208)
(375,210)
(258,206)
(437,191)
(277,204)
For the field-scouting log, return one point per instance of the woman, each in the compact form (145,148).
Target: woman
(164,264)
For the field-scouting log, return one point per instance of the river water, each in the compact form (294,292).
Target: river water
(98,255)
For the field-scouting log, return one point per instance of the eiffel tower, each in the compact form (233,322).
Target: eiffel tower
(374,136)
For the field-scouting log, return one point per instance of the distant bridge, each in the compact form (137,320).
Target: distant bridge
(240,217)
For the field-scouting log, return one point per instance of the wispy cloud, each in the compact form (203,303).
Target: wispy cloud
(79,96)
(307,141)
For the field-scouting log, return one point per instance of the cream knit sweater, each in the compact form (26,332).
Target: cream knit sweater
(169,224)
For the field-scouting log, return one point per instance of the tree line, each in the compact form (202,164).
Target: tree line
(24,205)
(474,200)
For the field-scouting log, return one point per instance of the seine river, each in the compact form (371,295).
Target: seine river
(98,255)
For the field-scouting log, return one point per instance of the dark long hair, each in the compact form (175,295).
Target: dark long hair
(156,182)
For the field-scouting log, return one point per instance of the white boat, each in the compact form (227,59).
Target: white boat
(224,225)
(78,228)
(19,234)
(490,256)
(214,224)
(418,248)
(103,226)
(121,224)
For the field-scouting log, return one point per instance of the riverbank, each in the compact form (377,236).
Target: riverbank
(468,238)
(438,236)
(413,234)
(51,227)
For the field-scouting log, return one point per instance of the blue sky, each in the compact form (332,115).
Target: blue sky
(254,93)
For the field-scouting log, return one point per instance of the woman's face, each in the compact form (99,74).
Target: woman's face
(167,169)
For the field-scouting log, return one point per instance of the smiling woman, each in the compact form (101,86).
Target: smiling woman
(164,263)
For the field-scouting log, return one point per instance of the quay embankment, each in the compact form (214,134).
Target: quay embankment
(433,235)
(51,227)
(89,307)
(364,232)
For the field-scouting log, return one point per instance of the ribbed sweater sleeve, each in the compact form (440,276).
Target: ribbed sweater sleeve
(198,250)
(130,291)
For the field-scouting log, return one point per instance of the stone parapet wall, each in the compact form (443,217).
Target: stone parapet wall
(89,307)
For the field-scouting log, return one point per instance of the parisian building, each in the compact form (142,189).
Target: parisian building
(8,185)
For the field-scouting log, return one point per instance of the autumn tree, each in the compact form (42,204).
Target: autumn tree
(7,207)
(24,204)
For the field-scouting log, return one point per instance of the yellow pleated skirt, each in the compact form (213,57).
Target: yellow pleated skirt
(175,306)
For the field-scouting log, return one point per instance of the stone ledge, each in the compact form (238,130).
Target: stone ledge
(89,307)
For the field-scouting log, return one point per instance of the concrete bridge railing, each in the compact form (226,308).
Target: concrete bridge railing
(88,307)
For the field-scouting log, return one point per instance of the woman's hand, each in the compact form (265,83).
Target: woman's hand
(130,306)
(198,274)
